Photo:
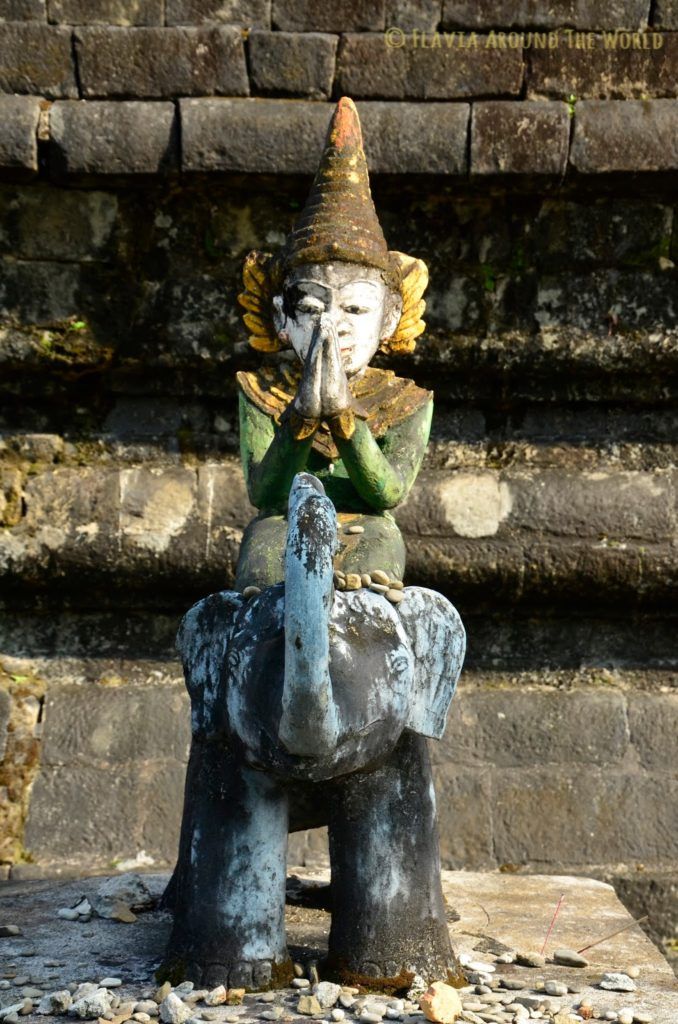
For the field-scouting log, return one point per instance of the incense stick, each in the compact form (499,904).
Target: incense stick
(612,934)
(553,921)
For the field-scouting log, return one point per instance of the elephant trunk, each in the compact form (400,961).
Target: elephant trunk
(309,723)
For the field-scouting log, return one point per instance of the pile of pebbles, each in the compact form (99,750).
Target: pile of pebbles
(487,999)
(378,581)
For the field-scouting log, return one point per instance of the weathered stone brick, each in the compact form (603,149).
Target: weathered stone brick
(412,138)
(38,292)
(99,725)
(633,135)
(112,138)
(519,138)
(423,15)
(585,815)
(292,63)
(512,14)
(4,720)
(666,14)
(367,68)
(101,808)
(161,62)
(281,136)
(36,59)
(22,10)
(78,227)
(247,13)
(464,800)
(19,117)
(339,16)
(617,299)
(631,231)
(604,73)
(511,729)
(653,722)
(260,136)
(615,505)
(105,12)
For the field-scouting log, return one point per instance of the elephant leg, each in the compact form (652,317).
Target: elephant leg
(388,918)
(229,898)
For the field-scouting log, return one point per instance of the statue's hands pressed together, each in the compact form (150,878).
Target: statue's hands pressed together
(323,391)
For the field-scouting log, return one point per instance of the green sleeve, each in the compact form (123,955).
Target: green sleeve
(383,475)
(270,456)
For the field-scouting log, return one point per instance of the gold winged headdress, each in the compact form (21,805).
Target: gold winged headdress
(338,223)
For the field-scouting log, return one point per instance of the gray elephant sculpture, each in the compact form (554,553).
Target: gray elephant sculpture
(310,706)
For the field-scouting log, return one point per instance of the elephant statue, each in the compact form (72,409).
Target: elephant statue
(311,706)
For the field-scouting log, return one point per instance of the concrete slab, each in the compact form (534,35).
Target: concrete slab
(483,909)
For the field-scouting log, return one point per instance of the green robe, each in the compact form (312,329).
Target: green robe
(364,477)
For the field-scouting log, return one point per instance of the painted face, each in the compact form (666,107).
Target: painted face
(356,298)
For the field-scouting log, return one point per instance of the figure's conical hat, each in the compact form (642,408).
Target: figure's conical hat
(339,221)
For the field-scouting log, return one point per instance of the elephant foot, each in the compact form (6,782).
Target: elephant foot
(252,975)
(390,977)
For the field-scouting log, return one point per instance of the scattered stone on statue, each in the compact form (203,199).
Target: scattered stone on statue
(251,591)
(366,579)
(441,1003)
(379,588)
(355,529)
(173,1010)
(353,581)
(8,930)
(617,982)
(327,993)
(530,960)
(339,581)
(569,958)
(395,597)
(379,576)
(308,1005)
(217,996)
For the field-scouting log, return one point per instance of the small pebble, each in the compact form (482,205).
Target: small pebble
(217,996)
(555,988)
(32,993)
(530,960)
(633,971)
(327,993)
(68,913)
(308,1005)
(251,591)
(312,972)
(353,581)
(569,958)
(355,529)
(300,983)
(148,1006)
(379,588)
(395,597)
(506,958)
(22,979)
(142,1017)
(347,1001)
(379,576)
(338,1013)
(369,1018)
(110,982)
(267,997)
(339,582)
(617,982)
(6,930)
(512,984)
(625,1016)
(610,1015)
(299,968)
(366,579)
(275,1013)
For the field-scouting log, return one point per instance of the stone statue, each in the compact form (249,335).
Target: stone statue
(314,684)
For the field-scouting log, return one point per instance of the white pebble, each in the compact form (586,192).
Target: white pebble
(633,971)
(110,982)
(625,1016)
(300,983)
(338,1013)
(555,988)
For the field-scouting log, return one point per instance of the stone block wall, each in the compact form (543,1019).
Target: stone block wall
(145,148)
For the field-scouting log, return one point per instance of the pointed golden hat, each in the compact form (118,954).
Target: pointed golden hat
(339,221)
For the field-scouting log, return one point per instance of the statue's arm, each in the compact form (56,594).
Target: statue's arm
(271,455)
(384,475)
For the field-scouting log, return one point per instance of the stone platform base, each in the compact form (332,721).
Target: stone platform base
(485,911)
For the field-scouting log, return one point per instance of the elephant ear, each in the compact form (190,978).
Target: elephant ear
(202,642)
(438,642)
